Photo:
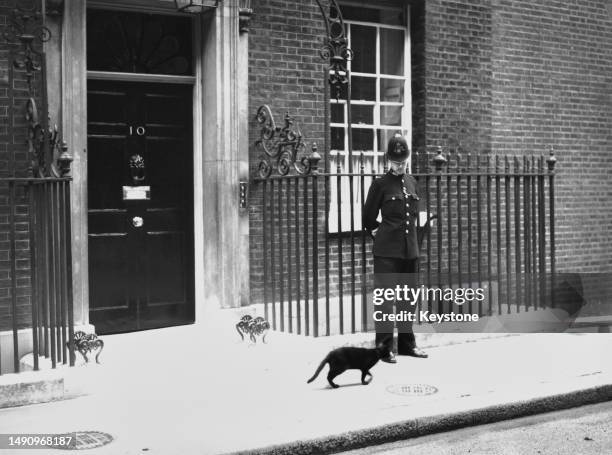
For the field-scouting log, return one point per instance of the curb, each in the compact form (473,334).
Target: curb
(18,391)
(45,386)
(436,424)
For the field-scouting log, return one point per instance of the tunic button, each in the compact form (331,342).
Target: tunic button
(407,214)
(393,198)
(407,231)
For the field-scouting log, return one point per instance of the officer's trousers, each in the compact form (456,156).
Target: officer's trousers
(388,273)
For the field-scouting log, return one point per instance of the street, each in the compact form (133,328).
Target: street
(579,431)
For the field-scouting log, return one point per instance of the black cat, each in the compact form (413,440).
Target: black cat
(351,358)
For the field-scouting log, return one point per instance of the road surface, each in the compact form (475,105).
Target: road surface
(579,431)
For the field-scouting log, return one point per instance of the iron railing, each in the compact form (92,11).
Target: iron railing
(496,228)
(38,290)
(36,267)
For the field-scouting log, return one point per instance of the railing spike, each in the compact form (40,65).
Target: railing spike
(551,160)
(439,160)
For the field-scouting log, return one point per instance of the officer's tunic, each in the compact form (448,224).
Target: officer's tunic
(397,198)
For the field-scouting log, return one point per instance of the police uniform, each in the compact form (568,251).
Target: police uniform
(396,244)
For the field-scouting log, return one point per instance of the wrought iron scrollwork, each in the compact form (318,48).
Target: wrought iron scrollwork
(25,26)
(280,145)
(335,48)
(50,156)
(138,44)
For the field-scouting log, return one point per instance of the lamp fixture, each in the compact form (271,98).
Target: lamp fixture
(195,6)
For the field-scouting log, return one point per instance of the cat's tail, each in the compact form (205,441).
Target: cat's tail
(316,373)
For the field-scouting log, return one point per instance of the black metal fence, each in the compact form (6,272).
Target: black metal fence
(35,237)
(39,265)
(495,228)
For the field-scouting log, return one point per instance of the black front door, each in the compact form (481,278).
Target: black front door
(140,184)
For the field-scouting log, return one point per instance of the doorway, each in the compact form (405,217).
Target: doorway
(140,212)
(140,172)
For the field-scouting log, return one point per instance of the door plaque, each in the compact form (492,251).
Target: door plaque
(136,193)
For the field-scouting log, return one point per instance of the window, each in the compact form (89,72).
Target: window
(380,100)
(128,42)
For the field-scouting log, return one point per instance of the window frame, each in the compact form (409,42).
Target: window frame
(377,152)
(405,127)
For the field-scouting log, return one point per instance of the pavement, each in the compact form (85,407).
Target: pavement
(200,390)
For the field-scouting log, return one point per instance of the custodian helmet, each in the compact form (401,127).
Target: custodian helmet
(398,150)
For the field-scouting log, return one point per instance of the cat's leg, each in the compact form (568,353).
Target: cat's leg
(332,374)
(364,374)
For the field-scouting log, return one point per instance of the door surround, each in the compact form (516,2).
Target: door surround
(220,144)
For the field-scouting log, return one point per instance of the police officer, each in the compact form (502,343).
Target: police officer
(396,247)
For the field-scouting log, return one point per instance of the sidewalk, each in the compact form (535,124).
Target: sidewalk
(199,390)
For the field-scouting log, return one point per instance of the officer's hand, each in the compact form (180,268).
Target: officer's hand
(425,218)
(374,232)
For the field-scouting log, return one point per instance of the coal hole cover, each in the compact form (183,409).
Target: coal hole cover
(87,440)
(412,390)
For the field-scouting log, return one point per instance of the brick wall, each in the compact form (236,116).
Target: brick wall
(458,74)
(418,74)
(518,77)
(286,73)
(552,82)
(14,162)
(488,77)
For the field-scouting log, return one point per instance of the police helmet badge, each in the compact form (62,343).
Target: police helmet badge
(398,150)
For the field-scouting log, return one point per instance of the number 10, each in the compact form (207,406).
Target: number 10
(140,130)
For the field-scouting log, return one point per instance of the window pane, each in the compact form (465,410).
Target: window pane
(392,52)
(392,90)
(390,16)
(337,113)
(337,138)
(391,115)
(363,45)
(363,88)
(362,114)
(363,139)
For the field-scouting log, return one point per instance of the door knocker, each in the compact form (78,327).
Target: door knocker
(137,168)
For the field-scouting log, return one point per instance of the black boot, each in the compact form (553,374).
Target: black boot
(386,340)
(406,345)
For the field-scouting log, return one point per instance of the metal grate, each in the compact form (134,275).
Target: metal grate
(412,390)
(88,440)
